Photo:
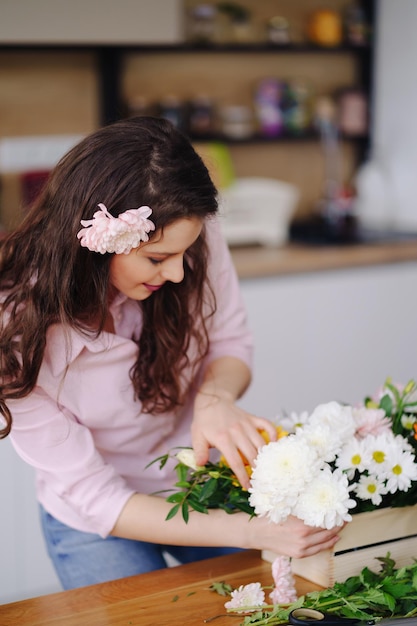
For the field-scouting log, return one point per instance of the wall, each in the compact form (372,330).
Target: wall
(90,21)
(387,183)
(25,569)
(330,335)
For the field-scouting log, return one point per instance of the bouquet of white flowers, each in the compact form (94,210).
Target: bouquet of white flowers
(338,460)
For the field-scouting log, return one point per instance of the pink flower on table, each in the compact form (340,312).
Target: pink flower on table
(284,591)
(246,598)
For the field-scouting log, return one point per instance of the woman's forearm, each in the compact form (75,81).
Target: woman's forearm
(143,519)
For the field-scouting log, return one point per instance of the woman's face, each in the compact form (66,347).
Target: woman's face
(147,268)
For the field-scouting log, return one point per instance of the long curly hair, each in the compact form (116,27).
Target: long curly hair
(47,277)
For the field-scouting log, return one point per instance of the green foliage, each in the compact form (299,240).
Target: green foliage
(222,588)
(212,486)
(391,592)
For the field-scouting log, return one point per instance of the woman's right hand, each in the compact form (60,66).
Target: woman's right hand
(291,538)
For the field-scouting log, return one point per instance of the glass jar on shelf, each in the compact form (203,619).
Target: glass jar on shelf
(201,24)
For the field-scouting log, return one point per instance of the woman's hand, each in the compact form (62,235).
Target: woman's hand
(220,423)
(291,538)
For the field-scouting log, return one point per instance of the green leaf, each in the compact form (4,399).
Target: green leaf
(183,484)
(172,513)
(222,588)
(185,513)
(176,497)
(162,461)
(197,506)
(390,601)
(386,404)
(396,589)
(208,489)
(182,471)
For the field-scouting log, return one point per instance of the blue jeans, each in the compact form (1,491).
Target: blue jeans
(82,559)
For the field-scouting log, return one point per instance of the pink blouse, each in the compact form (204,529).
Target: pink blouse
(81,428)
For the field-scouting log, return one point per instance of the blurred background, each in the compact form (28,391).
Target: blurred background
(304,111)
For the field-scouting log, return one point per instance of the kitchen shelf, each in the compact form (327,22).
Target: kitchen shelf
(228,73)
(283,138)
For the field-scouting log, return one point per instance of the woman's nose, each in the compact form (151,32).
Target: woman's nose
(174,270)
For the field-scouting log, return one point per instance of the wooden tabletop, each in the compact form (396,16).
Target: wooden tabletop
(177,596)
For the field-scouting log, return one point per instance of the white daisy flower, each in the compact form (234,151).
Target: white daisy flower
(378,448)
(290,422)
(402,470)
(371,488)
(408,421)
(354,456)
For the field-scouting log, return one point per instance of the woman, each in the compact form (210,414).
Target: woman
(123,336)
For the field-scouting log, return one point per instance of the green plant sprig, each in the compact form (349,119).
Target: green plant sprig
(397,404)
(391,592)
(211,486)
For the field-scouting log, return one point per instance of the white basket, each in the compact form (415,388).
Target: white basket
(257,210)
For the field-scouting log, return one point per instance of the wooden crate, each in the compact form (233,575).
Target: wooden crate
(366,537)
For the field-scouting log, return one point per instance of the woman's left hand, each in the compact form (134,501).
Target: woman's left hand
(220,423)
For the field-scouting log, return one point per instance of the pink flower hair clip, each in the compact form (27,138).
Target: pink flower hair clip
(106,233)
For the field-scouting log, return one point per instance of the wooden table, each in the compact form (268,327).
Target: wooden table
(177,596)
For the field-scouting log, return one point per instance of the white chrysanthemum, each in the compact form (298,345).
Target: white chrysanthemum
(338,417)
(371,488)
(246,598)
(287,464)
(282,469)
(265,499)
(354,456)
(323,438)
(281,508)
(325,502)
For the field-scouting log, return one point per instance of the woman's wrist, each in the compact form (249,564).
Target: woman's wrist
(212,390)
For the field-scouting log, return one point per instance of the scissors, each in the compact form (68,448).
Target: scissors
(306,617)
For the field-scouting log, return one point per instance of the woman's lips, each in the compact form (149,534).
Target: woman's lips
(152,287)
